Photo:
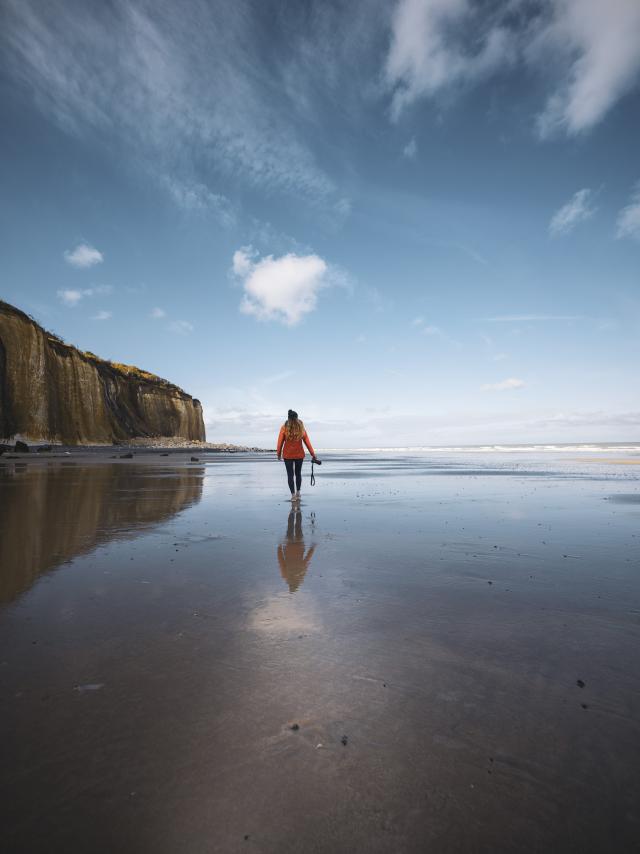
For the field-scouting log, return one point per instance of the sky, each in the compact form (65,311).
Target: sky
(415,222)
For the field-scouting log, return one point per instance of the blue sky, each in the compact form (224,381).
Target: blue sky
(415,222)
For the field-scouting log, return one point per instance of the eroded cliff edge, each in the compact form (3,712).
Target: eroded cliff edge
(51,391)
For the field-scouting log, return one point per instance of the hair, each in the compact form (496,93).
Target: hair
(293,428)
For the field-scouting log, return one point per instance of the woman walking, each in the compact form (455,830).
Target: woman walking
(292,435)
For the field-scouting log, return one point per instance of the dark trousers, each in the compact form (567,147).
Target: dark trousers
(291,464)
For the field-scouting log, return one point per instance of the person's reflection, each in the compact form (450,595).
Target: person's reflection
(293,561)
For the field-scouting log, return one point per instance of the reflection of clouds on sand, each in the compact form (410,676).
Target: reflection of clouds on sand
(293,560)
(285,614)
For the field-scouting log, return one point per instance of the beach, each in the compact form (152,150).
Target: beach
(438,651)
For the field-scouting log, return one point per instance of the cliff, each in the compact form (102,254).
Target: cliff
(51,391)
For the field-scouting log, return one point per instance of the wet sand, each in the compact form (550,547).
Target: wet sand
(433,654)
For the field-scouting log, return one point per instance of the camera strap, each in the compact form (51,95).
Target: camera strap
(313,477)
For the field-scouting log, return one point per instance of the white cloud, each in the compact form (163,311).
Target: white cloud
(504,385)
(283,289)
(72,296)
(592,48)
(417,321)
(427,51)
(158,313)
(188,90)
(103,315)
(628,222)
(242,260)
(597,45)
(577,209)
(83,256)
(411,149)
(198,198)
(181,327)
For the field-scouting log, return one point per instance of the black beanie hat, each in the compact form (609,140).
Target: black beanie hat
(291,414)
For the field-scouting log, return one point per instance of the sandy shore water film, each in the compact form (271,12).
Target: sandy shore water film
(437,651)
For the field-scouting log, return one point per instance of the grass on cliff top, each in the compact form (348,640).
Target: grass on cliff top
(128,370)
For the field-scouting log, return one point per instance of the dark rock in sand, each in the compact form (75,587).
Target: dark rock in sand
(579,683)
(195,459)
(21,447)
(128,456)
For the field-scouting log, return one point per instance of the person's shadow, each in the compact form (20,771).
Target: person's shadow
(293,561)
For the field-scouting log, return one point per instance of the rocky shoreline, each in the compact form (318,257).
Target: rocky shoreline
(168,442)
(134,446)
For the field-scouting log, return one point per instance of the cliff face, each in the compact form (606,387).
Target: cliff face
(52,391)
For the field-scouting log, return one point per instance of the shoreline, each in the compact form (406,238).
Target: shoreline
(123,450)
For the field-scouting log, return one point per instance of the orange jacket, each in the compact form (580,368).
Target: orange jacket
(291,449)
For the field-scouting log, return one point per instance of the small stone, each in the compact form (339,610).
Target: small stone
(344,740)
(195,459)
(128,456)
(295,727)
(21,447)
(579,683)
(584,705)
